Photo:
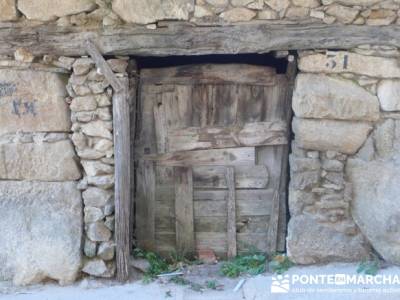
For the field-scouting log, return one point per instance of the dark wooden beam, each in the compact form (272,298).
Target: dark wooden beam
(122,153)
(189,40)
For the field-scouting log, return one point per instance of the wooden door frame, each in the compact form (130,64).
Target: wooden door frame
(124,105)
(124,111)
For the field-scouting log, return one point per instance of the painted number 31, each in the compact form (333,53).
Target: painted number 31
(334,61)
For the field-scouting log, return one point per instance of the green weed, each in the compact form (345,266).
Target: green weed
(280,263)
(252,264)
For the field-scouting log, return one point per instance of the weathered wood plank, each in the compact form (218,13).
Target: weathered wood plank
(274,221)
(146,205)
(244,224)
(122,153)
(188,40)
(247,135)
(211,177)
(248,203)
(217,241)
(214,157)
(231,211)
(210,74)
(184,211)
(103,66)
(132,94)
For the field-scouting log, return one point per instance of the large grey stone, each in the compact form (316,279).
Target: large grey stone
(39,161)
(348,62)
(144,12)
(309,242)
(324,97)
(8,10)
(375,205)
(389,95)
(238,14)
(45,10)
(41,231)
(343,14)
(323,135)
(96,197)
(33,101)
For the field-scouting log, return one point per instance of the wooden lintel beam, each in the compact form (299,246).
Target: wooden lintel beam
(189,40)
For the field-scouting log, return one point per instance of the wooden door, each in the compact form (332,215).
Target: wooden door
(212,159)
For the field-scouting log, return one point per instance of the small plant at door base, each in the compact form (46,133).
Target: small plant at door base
(280,263)
(214,285)
(369,267)
(158,265)
(252,264)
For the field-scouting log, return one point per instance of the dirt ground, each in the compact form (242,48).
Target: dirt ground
(254,288)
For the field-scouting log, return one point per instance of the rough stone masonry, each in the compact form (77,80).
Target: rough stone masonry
(41,227)
(344,189)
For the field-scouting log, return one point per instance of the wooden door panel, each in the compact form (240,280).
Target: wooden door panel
(212,149)
(215,157)
(246,177)
(246,135)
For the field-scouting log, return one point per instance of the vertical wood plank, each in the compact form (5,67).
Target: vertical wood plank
(132,97)
(122,153)
(273,222)
(231,212)
(184,210)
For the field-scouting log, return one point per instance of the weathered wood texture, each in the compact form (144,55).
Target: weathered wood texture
(103,66)
(214,157)
(233,187)
(122,154)
(231,212)
(184,210)
(250,134)
(185,39)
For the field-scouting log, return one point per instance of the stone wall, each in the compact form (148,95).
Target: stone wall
(90,99)
(118,12)
(56,168)
(41,224)
(344,191)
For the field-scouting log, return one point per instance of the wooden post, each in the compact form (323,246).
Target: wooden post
(122,157)
(231,208)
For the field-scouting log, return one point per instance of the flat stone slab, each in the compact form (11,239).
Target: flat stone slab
(46,10)
(309,242)
(39,161)
(348,62)
(323,135)
(41,231)
(149,11)
(32,101)
(324,97)
(375,205)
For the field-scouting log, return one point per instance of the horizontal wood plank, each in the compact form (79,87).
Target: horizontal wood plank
(248,203)
(250,134)
(210,74)
(214,157)
(185,39)
(217,241)
(245,177)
